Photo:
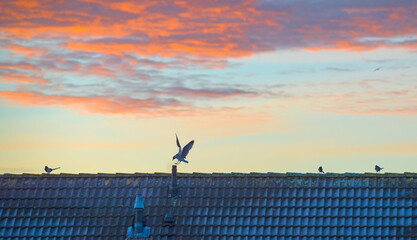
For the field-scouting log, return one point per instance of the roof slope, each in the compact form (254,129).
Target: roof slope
(212,206)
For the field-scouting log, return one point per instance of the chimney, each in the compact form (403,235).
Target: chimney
(173,197)
(173,188)
(138,230)
(139,222)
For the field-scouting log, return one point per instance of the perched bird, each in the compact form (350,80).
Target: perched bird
(182,153)
(48,170)
(321,169)
(378,168)
(377,69)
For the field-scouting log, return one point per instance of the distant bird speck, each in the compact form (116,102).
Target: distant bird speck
(377,69)
(321,170)
(378,168)
(48,170)
(182,153)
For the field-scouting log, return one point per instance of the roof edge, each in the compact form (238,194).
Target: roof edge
(215,174)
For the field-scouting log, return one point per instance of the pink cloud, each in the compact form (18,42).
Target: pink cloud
(29,52)
(97,48)
(22,78)
(100,105)
(214,29)
(19,66)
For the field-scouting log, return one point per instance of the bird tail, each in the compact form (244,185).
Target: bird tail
(56,168)
(185,161)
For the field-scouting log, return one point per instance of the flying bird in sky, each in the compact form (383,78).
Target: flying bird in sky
(48,170)
(321,170)
(378,168)
(182,153)
(377,69)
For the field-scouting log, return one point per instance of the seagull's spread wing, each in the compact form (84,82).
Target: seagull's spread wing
(178,142)
(187,149)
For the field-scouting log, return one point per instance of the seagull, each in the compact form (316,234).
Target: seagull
(378,168)
(182,153)
(48,170)
(377,69)
(321,169)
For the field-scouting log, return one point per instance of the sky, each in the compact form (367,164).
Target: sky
(261,86)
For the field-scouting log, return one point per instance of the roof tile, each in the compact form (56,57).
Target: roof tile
(216,206)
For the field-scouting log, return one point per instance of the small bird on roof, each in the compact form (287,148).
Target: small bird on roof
(48,170)
(182,153)
(321,170)
(378,168)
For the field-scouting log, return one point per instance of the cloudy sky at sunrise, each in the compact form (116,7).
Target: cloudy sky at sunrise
(261,86)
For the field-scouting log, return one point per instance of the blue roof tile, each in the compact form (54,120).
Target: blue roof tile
(212,206)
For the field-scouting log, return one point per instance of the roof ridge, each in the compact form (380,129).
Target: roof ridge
(215,174)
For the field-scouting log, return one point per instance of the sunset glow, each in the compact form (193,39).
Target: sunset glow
(268,86)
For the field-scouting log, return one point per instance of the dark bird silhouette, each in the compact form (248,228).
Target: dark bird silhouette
(377,69)
(378,168)
(321,170)
(182,153)
(48,170)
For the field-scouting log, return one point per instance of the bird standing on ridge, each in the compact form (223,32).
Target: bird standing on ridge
(182,153)
(378,168)
(48,170)
(321,170)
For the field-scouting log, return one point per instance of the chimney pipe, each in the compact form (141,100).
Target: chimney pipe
(173,188)
(174,176)
(138,230)
(139,207)
(173,196)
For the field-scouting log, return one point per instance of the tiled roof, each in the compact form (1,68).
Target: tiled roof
(212,206)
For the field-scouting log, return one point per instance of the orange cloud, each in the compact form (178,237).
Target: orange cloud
(168,29)
(29,52)
(101,105)
(21,73)
(207,29)
(21,78)
(21,66)
(105,48)
(27,3)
